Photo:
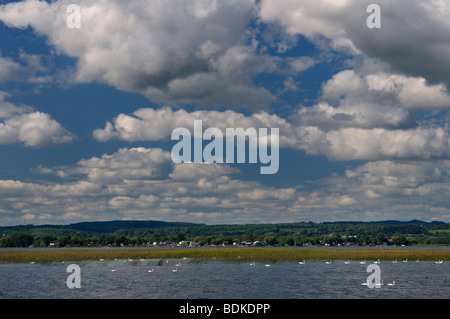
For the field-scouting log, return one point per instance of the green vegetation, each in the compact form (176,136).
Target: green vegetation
(17,239)
(151,233)
(272,255)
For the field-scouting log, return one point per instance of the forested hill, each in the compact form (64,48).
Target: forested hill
(97,227)
(115,225)
(141,227)
(388,222)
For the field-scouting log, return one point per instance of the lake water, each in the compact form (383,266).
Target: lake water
(124,279)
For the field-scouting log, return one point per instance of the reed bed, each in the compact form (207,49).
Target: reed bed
(222,254)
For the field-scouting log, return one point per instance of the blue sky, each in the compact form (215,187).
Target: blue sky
(86,113)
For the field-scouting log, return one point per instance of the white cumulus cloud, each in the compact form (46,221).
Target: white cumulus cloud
(189,51)
(32,128)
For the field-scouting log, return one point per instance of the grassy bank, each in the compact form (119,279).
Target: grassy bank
(223,254)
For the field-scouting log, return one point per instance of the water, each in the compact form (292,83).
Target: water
(220,280)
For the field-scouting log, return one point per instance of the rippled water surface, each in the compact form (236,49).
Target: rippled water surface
(132,279)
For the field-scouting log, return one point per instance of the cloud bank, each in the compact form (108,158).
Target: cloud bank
(128,185)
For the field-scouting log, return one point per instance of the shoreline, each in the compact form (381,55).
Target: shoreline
(230,254)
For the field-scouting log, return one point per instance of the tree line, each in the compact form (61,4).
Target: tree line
(25,239)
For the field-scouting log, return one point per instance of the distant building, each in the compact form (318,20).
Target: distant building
(257,244)
(187,243)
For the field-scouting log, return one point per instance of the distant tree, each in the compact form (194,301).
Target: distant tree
(228,240)
(290,241)
(181,237)
(45,240)
(216,240)
(399,240)
(272,240)
(249,237)
(77,241)
(201,240)
(64,241)
(107,239)
(378,238)
(300,240)
(155,237)
(365,239)
(18,239)
(334,239)
(122,240)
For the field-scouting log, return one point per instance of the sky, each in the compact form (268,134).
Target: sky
(87,110)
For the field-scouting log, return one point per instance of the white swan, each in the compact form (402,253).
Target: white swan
(365,284)
(150,270)
(302,262)
(380,284)
(328,262)
(347,262)
(362,262)
(439,261)
(252,264)
(377,261)
(175,270)
(267,265)
(395,261)
(391,283)
(112,270)
(406,260)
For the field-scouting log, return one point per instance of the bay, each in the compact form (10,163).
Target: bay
(132,279)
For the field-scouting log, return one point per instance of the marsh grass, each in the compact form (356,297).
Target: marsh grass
(221,254)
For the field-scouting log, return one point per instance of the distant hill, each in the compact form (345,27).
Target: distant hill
(103,226)
(115,225)
(388,222)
